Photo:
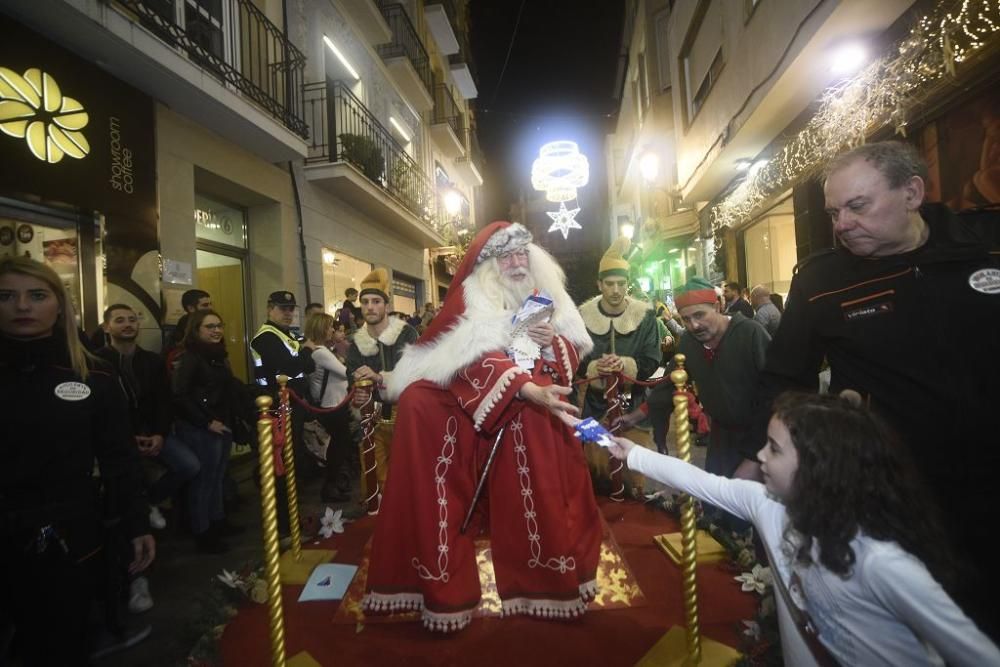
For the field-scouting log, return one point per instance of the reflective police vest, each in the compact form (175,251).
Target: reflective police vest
(290,343)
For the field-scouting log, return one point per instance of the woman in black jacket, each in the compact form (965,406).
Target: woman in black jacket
(205,402)
(59,414)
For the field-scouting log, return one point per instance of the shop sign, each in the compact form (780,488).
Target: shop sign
(73,135)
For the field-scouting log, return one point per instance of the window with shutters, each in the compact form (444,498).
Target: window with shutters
(702,57)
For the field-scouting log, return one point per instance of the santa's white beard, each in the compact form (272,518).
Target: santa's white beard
(516,291)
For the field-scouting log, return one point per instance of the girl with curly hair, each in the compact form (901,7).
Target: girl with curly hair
(856,541)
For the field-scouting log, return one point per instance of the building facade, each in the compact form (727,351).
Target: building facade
(160,146)
(732,107)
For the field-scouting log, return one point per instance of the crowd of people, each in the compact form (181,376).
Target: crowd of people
(872,502)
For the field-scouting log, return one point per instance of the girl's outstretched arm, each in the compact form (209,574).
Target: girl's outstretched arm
(740,497)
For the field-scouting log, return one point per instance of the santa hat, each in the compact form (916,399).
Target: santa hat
(613,263)
(493,240)
(376,282)
(695,291)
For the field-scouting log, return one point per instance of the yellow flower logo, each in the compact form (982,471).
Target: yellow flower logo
(33,108)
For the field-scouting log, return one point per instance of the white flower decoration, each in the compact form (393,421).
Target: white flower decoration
(751,629)
(333,522)
(756,580)
(229,579)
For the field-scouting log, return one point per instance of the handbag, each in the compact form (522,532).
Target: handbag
(803,622)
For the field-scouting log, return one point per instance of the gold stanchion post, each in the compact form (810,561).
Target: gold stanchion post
(688,545)
(288,455)
(686,646)
(298,563)
(269,511)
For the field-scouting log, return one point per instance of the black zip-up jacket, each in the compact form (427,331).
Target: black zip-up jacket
(54,427)
(917,335)
(149,395)
(204,387)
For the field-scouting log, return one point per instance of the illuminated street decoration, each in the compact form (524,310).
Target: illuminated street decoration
(559,170)
(564,220)
(877,96)
(34,109)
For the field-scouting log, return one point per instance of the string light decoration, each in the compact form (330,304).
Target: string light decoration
(559,170)
(564,220)
(877,96)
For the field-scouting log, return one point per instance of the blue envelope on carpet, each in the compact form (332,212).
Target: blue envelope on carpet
(328,581)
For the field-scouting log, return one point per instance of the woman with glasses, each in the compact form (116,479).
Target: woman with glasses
(205,394)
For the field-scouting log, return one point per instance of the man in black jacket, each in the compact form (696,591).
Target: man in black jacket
(906,311)
(142,377)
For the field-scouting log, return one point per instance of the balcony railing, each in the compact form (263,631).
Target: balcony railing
(344,130)
(405,42)
(471,142)
(447,111)
(237,43)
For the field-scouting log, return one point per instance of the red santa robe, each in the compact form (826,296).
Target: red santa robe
(538,507)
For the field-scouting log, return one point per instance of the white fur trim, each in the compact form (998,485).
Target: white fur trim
(367,345)
(496,392)
(446,622)
(599,323)
(544,608)
(389,603)
(564,358)
(485,327)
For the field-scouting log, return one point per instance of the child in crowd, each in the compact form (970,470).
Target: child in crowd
(842,512)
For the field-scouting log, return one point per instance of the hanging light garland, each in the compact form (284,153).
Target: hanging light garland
(880,94)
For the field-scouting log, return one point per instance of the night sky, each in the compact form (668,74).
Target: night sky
(559,84)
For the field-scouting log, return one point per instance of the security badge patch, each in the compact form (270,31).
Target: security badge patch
(986,281)
(868,306)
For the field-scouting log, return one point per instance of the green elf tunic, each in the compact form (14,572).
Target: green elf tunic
(632,335)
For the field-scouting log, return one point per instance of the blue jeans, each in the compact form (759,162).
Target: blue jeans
(205,490)
(182,465)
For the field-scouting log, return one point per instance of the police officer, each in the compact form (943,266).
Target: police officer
(906,311)
(276,351)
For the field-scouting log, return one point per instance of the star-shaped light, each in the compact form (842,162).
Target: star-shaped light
(564,220)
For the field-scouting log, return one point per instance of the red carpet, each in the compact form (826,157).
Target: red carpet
(606,637)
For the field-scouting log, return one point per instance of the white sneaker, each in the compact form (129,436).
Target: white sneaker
(139,599)
(156,519)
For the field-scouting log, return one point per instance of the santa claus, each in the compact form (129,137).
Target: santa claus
(477,382)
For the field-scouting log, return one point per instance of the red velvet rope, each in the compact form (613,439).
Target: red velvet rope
(629,380)
(312,408)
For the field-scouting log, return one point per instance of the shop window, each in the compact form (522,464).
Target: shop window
(770,251)
(404,294)
(69,244)
(341,271)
